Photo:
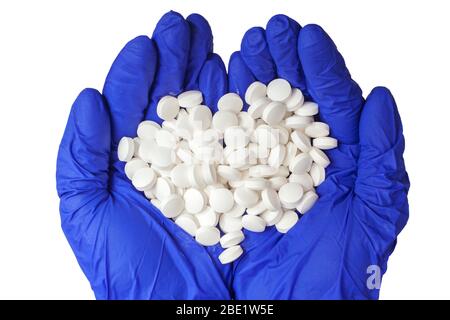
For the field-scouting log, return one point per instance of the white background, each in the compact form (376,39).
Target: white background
(50,50)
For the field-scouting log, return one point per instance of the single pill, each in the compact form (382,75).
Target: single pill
(276,156)
(231,254)
(245,197)
(253,223)
(257,209)
(297,122)
(291,152)
(195,176)
(308,109)
(144,179)
(277,182)
(318,157)
(231,239)
(207,236)
(317,174)
(270,198)
(208,218)
(163,157)
(194,200)
(317,129)
(125,149)
(278,90)
(209,173)
(229,173)
(290,194)
(189,99)
(274,112)
(200,117)
(307,202)
(271,217)
(172,206)
(266,136)
(167,108)
(246,122)
(255,91)
(223,120)
(221,200)
(230,224)
(188,223)
(147,150)
(301,140)
(165,138)
(256,109)
(133,165)
(262,171)
(236,211)
(163,188)
(230,102)
(257,184)
(295,100)
(147,129)
(301,163)
(304,179)
(288,220)
(179,175)
(325,143)
(235,137)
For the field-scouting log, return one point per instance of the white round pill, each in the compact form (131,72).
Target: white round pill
(308,109)
(167,108)
(147,150)
(317,129)
(230,102)
(325,143)
(301,163)
(304,179)
(245,197)
(259,208)
(317,174)
(290,194)
(163,157)
(297,122)
(278,90)
(301,140)
(207,236)
(223,120)
(163,188)
(208,217)
(271,217)
(194,200)
(276,156)
(231,254)
(255,91)
(172,205)
(144,179)
(189,99)
(258,184)
(230,224)
(253,223)
(261,171)
(288,220)
(125,149)
(221,200)
(235,137)
(270,198)
(147,130)
(231,239)
(236,211)
(274,112)
(200,117)
(307,202)
(256,109)
(165,138)
(295,100)
(318,157)
(228,173)
(179,175)
(188,223)
(133,165)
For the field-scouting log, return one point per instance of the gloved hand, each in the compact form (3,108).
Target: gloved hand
(340,248)
(126,247)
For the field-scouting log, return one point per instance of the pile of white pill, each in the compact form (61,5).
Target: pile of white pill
(217,174)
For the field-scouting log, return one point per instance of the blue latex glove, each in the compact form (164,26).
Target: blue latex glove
(126,247)
(363,201)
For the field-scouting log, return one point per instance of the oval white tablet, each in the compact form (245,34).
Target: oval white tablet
(172,206)
(208,217)
(231,239)
(255,91)
(259,208)
(194,200)
(189,99)
(223,120)
(317,129)
(230,102)
(256,109)
(258,184)
(325,143)
(133,165)
(230,224)
(245,197)
(304,179)
(307,202)
(147,130)
(270,198)
(125,149)
(163,188)
(297,122)
(288,220)
(221,200)
(231,254)
(295,100)
(318,157)
(253,223)
(290,194)
(278,90)
(200,117)
(167,108)
(207,236)
(271,217)
(274,112)
(188,223)
(301,163)
(236,211)
(277,182)
(308,109)
(228,173)
(179,175)
(301,140)
(317,174)
(144,179)
(147,150)
(276,156)
(261,171)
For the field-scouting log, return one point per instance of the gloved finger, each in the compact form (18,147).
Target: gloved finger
(282,37)
(172,39)
(127,86)
(329,83)
(382,183)
(84,152)
(201,45)
(212,81)
(239,76)
(256,55)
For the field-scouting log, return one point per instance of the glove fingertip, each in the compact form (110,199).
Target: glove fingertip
(213,80)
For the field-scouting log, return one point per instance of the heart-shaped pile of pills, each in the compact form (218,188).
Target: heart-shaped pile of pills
(216,174)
